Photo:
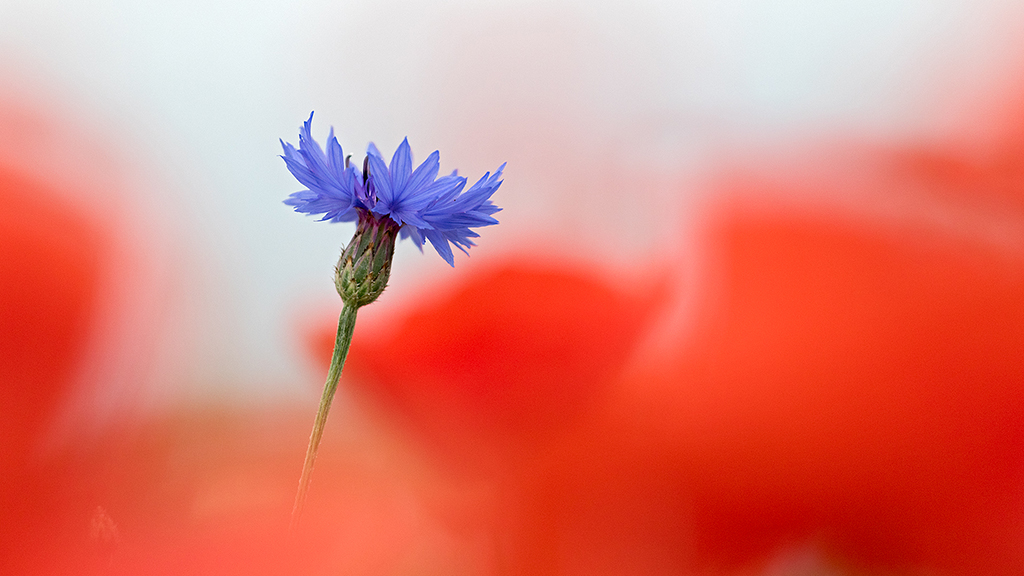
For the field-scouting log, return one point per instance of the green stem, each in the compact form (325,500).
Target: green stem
(346,324)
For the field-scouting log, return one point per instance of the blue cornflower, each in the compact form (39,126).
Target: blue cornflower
(387,202)
(418,203)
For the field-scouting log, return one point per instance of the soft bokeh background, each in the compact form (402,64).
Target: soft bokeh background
(755,305)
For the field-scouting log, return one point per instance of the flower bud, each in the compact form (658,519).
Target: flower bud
(365,265)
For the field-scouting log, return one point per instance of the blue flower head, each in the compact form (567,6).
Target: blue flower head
(418,203)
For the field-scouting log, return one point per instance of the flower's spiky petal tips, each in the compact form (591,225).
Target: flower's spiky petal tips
(463,220)
(464,213)
(442,192)
(297,166)
(310,151)
(301,173)
(328,180)
(328,206)
(449,217)
(401,168)
(336,158)
(480,183)
(316,163)
(484,187)
(300,198)
(371,150)
(413,234)
(488,180)
(480,210)
(488,208)
(325,194)
(484,214)
(381,182)
(426,172)
(460,238)
(289,150)
(306,137)
(331,210)
(440,243)
(437,192)
(496,179)
(454,193)
(451,207)
(473,199)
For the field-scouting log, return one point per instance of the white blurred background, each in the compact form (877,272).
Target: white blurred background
(611,117)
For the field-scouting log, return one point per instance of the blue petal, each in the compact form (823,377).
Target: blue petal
(310,166)
(381,181)
(443,187)
(335,157)
(331,187)
(428,209)
(440,243)
(426,172)
(300,198)
(413,234)
(301,173)
(401,168)
(310,150)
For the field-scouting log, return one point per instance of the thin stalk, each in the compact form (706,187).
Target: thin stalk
(346,324)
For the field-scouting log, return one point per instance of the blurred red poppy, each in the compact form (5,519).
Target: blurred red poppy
(515,353)
(852,386)
(49,272)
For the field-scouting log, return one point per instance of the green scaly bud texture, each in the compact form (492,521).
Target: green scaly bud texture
(365,265)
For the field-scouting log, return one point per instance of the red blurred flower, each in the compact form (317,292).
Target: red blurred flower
(518,351)
(49,269)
